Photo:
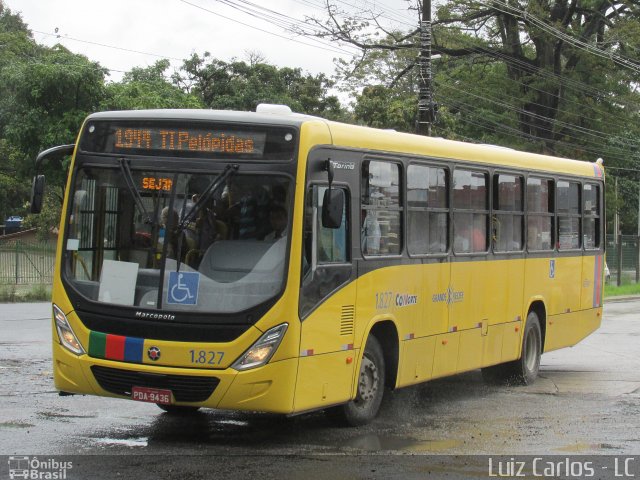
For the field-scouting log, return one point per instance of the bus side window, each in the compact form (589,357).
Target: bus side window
(540,208)
(569,215)
(332,242)
(591,227)
(381,221)
(471,211)
(508,206)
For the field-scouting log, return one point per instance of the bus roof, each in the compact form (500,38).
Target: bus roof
(383,140)
(293,119)
(372,139)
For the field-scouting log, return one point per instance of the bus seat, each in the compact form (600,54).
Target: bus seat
(228,261)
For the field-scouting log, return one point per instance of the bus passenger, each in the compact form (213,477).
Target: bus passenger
(370,233)
(278,221)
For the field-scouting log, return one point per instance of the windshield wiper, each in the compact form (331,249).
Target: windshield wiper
(213,187)
(128,180)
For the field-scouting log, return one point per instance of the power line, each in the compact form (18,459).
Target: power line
(561,79)
(582,130)
(601,94)
(526,16)
(328,49)
(503,129)
(273,17)
(108,46)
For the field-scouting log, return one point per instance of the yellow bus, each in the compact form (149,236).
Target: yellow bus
(276,262)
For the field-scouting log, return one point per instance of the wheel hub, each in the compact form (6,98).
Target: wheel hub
(369,379)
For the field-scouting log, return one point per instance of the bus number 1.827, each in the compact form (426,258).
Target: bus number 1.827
(206,357)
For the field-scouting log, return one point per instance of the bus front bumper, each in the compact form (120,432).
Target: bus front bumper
(269,388)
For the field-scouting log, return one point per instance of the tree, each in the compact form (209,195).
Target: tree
(548,51)
(50,95)
(45,94)
(556,77)
(147,88)
(237,85)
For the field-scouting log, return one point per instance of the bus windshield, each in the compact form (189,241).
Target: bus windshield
(176,241)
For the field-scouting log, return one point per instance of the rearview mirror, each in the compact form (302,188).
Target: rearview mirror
(332,208)
(37,193)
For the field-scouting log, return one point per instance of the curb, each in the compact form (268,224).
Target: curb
(621,298)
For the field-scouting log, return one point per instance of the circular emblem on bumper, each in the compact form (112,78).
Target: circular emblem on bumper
(153,353)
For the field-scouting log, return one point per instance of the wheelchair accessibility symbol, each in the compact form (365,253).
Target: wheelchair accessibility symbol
(183,288)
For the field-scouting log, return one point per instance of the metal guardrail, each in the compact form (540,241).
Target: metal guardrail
(623,258)
(26,262)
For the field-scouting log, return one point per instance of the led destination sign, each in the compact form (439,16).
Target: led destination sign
(157,183)
(160,139)
(186,139)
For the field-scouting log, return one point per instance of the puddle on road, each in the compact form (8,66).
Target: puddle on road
(585,447)
(123,442)
(9,363)
(16,425)
(240,423)
(62,416)
(376,443)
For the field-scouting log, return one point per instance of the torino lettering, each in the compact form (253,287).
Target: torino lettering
(404,299)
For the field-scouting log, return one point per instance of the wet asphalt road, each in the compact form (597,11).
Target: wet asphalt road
(586,401)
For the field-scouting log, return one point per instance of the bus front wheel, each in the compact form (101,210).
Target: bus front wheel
(524,370)
(371,380)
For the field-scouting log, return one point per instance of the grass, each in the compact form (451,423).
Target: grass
(28,293)
(615,291)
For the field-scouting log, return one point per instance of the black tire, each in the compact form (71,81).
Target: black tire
(523,371)
(371,381)
(178,409)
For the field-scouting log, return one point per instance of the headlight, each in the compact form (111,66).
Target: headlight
(261,351)
(65,334)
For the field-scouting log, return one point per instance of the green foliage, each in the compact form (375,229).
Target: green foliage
(238,85)
(376,107)
(11,187)
(49,218)
(50,96)
(144,88)
(35,293)
(615,291)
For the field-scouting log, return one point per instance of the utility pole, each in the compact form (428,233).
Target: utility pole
(426,105)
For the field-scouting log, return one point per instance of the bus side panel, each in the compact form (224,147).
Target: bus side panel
(513,276)
(566,285)
(417,360)
(538,281)
(492,347)
(470,294)
(445,361)
(417,355)
(435,283)
(470,350)
(570,328)
(511,341)
(324,380)
(592,281)
(328,352)
(505,281)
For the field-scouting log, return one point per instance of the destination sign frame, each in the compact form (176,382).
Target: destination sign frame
(192,140)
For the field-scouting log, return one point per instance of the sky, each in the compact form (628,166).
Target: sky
(111,32)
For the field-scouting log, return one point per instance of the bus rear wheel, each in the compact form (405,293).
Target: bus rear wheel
(371,380)
(523,371)
(178,409)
